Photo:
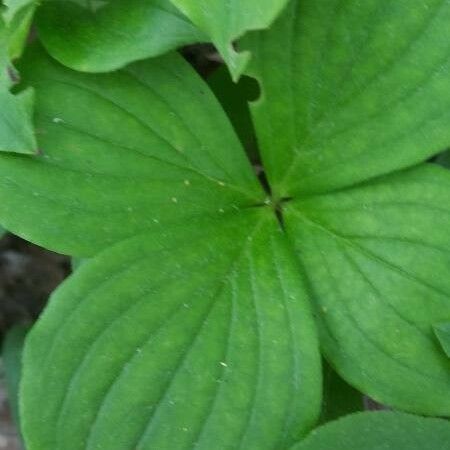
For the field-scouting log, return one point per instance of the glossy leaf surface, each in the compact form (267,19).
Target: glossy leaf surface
(113,34)
(379,431)
(377,257)
(185,346)
(351,90)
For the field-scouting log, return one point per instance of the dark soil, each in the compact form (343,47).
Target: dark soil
(28,275)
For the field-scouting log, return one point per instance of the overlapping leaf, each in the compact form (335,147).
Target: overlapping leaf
(350,103)
(378,259)
(106,35)
(120,152)
(195,337)
(382,430)
(17,17)
(224,21)
(194,333)
(16,129)
(351,90)
(12,349)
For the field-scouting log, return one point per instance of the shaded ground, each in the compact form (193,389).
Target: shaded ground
(8,434)
(28,274)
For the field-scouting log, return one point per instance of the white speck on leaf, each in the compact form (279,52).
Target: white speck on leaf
(58,120)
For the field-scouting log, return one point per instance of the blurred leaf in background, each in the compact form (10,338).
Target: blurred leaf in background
(12,363)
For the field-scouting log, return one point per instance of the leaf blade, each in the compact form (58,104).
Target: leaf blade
(121,152)
(223,22)
(12,350)
(114,35)
(16,128)
(370,430)
(377,257)
(364,91)
(190,376)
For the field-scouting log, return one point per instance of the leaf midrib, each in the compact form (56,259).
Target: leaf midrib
(188,167)
(366,336)
(368,253)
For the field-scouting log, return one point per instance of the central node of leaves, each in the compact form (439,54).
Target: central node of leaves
(272,200)
(277,206)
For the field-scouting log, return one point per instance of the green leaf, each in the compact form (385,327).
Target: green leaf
(18,16)
(195,337)
(377,431)
(16,129)
(120,152)
(113,35)
(12,360)
(339,398)
(13,7)
(442,331)
(76,263)
(351,90)
(377,257)
(223,21)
